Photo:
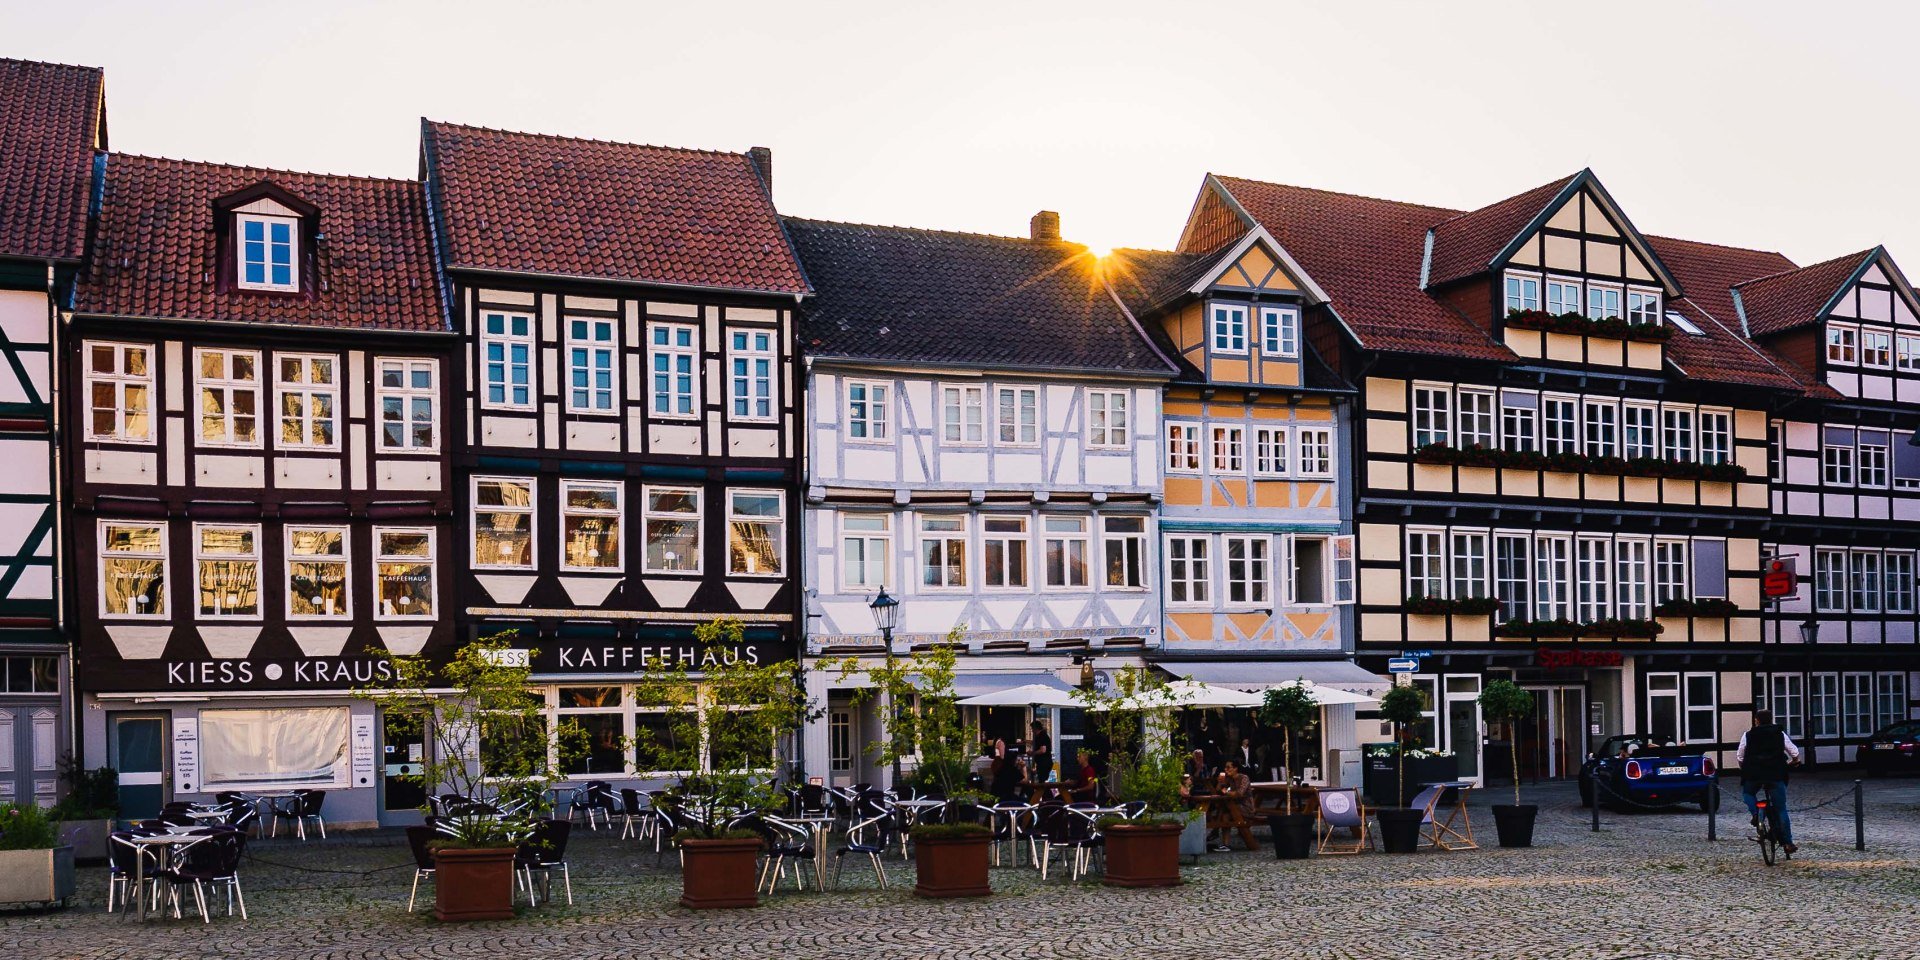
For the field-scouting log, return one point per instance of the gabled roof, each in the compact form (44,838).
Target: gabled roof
(52,119)
(155,253)
(1478,240)
(1708,273)
(563,207)
(1792,298)
(905,295)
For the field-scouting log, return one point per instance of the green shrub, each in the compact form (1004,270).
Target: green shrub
(24,826)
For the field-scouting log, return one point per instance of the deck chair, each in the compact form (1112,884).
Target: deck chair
(1341,808)
(1451,828)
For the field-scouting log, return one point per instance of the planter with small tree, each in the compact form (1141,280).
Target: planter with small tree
(36,869)
(1504,701)
(1292,708)
(1403,707)
(1144,769)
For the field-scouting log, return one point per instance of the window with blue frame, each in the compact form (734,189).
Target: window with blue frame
(506,347)
(268,246)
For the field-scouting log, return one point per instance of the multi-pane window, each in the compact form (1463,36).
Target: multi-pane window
(673,355)
(592,380)
(1843,344)
(1872,459)
(1669,571)
(1066,550)
(1562,297)
(1823,697)
(309,394)
(1248,570)
(1523,292)
(1475,419)
(29,674)
(962,415)
(1603,429)
(1899,581)
(1280,331)
(867,410)
(1188,577)
(1432,415)
(1469,563)
(1342,567)
(1553,575)
(1229,445)
(133,569)
(1890,690)
(590,525)
(1603,302)
(1005,547)
(1663,706)
(1512,576)
(1836,461)
(750,355)
(1876,348)
(1183,447)
(1856,704)
(1316,451)
(506,359)
(1560,424)
(756,533)
(670,524)
(229,385)
(1630,559)
(943,551)
(1716,436)
(407,396)
(503,523)
(1786,697)
(1676,433)
(1124,542)
(1906,354)
(1107,418)
(1426,564)
(1703,708)
(1592,567)
(119,392)
(1017,415)
(866,545)
(1229,325)
(268,250)
(1270,451)
(1643,307)
(1519,421)
(1863,581)
(1640,432)
(317,578)
(1830,580)
(403,572)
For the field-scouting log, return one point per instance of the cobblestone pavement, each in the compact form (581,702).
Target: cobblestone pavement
(1646,886)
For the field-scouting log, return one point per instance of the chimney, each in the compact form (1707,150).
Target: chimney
(762,158)
(1045,225)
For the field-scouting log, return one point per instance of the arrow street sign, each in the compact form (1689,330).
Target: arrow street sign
(1403,665)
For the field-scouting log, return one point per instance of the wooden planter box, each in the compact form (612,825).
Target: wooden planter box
(719,874)
(1143,854)
(473,884)
(36,877)
(952,866)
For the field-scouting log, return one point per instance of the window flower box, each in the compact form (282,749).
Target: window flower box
(1653,467)
(1710,607)
(1611,328)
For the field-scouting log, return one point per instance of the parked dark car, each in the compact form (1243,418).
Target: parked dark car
(1637,771)
(1894,749)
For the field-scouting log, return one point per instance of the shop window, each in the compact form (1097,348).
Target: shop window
(503,520)
(403,572)
(599,715)
(590,526)
(670,522)
(317,572)
(227,564)
(756,533)
(273,747)
(133,569)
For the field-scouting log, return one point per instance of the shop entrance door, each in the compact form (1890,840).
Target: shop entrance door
(843,739)
(403,751)
(140,754)
(1552,741)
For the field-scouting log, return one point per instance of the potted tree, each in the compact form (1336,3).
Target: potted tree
(35,867)
(87,812)
(1507,702)
(1143,768)
(1291,708)
(1399,824)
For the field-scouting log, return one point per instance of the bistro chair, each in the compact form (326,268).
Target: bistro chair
(784,841)
(595,797)
(633,814)
(663,821)
(420,839)
(1340,809)
(177,818)
(868,838)
(243,817)
(544,850)
(123,862)
(214,860)
(301,808)
(1067,829)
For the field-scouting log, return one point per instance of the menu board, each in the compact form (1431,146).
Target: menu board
(186,754)
(363,750)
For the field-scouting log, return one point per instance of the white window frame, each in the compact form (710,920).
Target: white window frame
(1672,573)
(229,387)
(120,382)
(1677,439)
(1477,418)
(586,350)
(1557,291)
(946,538)
(345,562)
(1520,422)
(778,521)
(1066,531)
(1843,344)
(753,374)
(1786,696)
(1313,453)
(1272,452)
(1690,706)
(1832,590)
(650,516)
(431,560)
(1715,428)
(1600,427)
(1823,706)
(869,411)
(1560,423)
(1189,570)
(1014,538)
(1426,554)
(665,360)
(267,244)
(1109,424)
(164,555)
(1876,348)
(201,558)
(1183,446)
(1643,306)
(1016,423)
(1132,545)
(1227,327)
(1227,449)
(407,393)
(530,511)
(1890,699)
(1553,594)
(1837,464)
(1469,564)
(1906,352)
(1280,332)
(1640,430)
(306,389)
(1872,463)
(868,538)
(1864,581)
(1633,577)
(1432,414)
(1897,569)
(1513,574)
(1254,567)
(1523,291)
(963,414)
(617,513)
(1605,301)
(507,366)
(1593,574)
(1857,705)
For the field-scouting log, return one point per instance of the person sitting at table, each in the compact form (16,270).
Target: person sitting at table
(1237,790)
(1196,767)
(1009,772)
(1086,786)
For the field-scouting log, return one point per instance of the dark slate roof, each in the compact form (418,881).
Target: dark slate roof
(154,255)
(51,122)
(1793,298)
(899,294)
(560,206)
(1467,244)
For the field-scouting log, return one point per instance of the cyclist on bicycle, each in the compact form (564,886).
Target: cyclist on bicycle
(1764,754)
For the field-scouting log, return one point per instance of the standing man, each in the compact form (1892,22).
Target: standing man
(1764,755)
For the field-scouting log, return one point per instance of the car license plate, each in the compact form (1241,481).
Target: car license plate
(1671,771)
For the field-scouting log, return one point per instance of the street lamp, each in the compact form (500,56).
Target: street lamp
(1085,664)
(886,616)
(1810,631)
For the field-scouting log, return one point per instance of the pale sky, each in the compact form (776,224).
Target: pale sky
(1783,126)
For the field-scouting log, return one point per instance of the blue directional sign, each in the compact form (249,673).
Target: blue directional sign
(1403,665)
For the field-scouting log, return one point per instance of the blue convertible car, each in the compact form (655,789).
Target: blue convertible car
(1630,771)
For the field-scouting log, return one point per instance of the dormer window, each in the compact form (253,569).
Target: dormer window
(269,251)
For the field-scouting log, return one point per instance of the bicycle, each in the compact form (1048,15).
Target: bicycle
(1767,825)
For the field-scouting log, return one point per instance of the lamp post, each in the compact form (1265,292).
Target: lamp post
(886,616)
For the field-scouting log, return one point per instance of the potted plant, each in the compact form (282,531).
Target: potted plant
(473,866)
(87,812)
(1401,706)
(1290,707)
(1504,701)
(35,867)
(1144,768)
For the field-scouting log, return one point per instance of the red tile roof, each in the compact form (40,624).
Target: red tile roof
(50,117)
(154,253)
(1793,298)
(1707,273)
(559,206)
(1466,244)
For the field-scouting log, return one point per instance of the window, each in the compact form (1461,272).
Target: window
(1512,576)
(1308,584)
(1876,348)
(506,356)
(1643,307)
(1017,418)
(1432,415)
(317,572)
(1124,541)
(1823,696)
(403,572)
(274,747)
(1864,581)
(1183,447)
(1342,567)
(308,400)
(1891,689)
(750,353)
(1676,433)
(1640,432)
(1836,458)
(1066,548)
(1856,704)
(598,714)
(1107,418)
(1906,355)
(1716,436)
(1602,428)
(28,674)
(503,523)
(1005,548)
(1593,569)
(1871,465)
(1229,328)
(1631,578)
(268,246)
(1519,421)
(1553,576)
(1603,303)
(1280,331)
(756,533)
(1562,297)
(674,356)
(1684,325)
(1843,344)
(1708,574)
(1469,561)
(1899,575)
(961,416)
(229,385)
(1776,453)
(133,569)
(1669,571)
(1187,575)
(1703,708)
(592,382)
(1906,461)
(866,545)
(1786,697)
(1560,424)
(1248,571)
(1316,452)
(119,392)
(670,523)
(1426,565)
(407,397)
(1663,706)
(1830,581)
(227,567)
(1229,449)
(943,551)
(1523,292)
(590,526)
(1269,451)
(1476,421)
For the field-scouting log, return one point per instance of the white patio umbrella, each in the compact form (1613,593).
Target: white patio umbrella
(1328,696)
(1185,694)
(1025,695)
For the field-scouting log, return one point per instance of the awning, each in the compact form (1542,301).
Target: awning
(1262,674)
(975,684)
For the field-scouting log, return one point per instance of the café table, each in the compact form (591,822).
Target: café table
(1270,797)
(819,830)
(1223,814)
(1013,812)
(159,846)
(264,805)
